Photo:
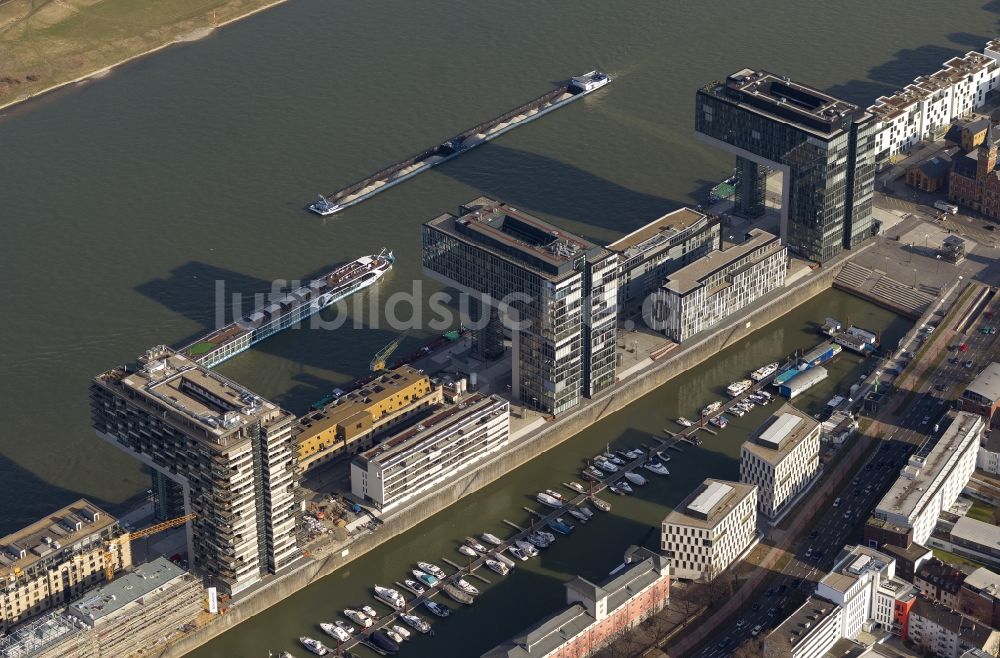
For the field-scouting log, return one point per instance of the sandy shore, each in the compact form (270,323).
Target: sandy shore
(194,35)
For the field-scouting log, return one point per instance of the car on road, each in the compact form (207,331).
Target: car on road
(928,330)
(755,607)
(741,623)
(968,364)
(990,227)
(772,612)
(756,630)
(814,534)
(924,421)
(770,592)
(964,347)
(723,643)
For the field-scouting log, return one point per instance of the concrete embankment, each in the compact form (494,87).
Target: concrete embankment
(546,438)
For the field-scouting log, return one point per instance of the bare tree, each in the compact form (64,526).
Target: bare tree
(751,648)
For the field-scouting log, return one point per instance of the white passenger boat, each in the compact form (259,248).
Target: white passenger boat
(370,611)
(518,553)
(538,541)
(344,626)
(583,507)
(575,486)
(548,500)
(578,515)
(358,617)
(390,597)
(635,479)
(600,504)
(465,550)
(437,608)
(555,494)
(684,422)
(432,569)
(526,547)
(467,587)
(736,389)
(315,646)
(475,545)
(656,467)
(414,586)
(402,631)
(416,623)
(427,579)
(498,567)
(605,465)
(624,486)
(764,372)
(335,632)
(492,539)
(617,490)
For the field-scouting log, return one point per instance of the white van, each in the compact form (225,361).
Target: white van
(944,206)
(836,503)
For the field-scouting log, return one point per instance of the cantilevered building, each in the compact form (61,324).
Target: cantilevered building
(561,292)
(823,146)
(230,452)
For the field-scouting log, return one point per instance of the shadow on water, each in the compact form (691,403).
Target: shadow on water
(543,184)
(39,498)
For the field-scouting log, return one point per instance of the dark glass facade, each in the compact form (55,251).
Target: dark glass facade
(830,158)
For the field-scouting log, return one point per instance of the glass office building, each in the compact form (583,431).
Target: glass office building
(560,294)
(824,147)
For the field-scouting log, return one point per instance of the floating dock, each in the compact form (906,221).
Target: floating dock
(380,181)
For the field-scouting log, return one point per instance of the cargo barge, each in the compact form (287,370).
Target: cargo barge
(221,344)
(380,181)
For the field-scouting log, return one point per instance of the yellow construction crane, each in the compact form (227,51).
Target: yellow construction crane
(378,361)
(109,567)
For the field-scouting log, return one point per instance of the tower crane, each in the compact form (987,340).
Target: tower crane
(378,361)
(109,569)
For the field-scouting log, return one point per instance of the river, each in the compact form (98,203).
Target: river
(124,200)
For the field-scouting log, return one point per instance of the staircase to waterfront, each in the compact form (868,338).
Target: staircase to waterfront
(876,287)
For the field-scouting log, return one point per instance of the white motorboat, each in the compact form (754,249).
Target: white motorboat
(416,623)
(414,586)
(616,490)
(664,457)
(432,569)
(492,539)
(578,515)
(602,505)
(465,550)
(593,473)
(315,646)
(344,626)
(736,389)
(656,467)
(711,408)
(720,421)
(526,547)
(737,411)
(498,567)
(394,636)
(370,611)
(556,495)
(583,507)
(390,597)
(467,587)
(358,617)
(335,632)
(518,553)
(425,578)
(684,422)
(575,486)
(635,479)
(538,541)
(402,631)
(475,545)
(548,535)
(764,372)
(606,466)
(615,459)
(624,486)
(546,499)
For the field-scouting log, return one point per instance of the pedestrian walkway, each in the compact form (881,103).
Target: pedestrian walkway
(875,286)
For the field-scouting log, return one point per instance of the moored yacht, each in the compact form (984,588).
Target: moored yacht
(560,526)
(414,586)
(491,539)
(401,631)
(315,646)
(498,566)
(390,597)
(424,577)
(656,467)
(432,569)
(764,372)
(575,486)
(711,408)
(526,547)
(437,608)
(467,587)
(577,514)
(416,623)
(466,550)
(635,479)
(684,422)
(518,553)
(335,632)
(737,389)
(358,617)
(475,545)
(546,499)
(600,504)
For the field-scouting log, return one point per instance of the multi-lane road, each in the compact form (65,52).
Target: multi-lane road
(842,521)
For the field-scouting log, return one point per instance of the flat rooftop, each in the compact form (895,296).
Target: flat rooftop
(987,383)
(399,445)
(169,381)
(694,275)
(977,532)
(782,99)
(111,597)
(780,434)
(359,401)
(518,237)
(709,503)
(913,486)
(658,231)
(852,563)
(800,623)
(52,536)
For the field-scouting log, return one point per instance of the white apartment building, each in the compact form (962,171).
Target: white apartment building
(932,102)
(781,458)
(710,528)
(929,485)
(945,633)
(435,451)
(704,293)
(863,582)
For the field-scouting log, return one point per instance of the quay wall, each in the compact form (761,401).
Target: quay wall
(546,438)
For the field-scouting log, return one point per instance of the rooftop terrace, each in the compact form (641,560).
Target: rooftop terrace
(693,276)
(658,231)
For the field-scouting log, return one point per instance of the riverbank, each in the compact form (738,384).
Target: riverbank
(547,437)
(55,44)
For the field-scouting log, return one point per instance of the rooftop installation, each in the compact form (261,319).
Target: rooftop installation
(709,502)
(111,597)
(781,98)
(781,433)
(196,395)
(515,235)
(52,535)
(658,231)
(692,276)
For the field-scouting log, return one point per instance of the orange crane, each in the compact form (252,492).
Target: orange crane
(109,568)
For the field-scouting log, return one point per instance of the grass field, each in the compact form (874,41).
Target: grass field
(945,556)
(980,512)
(45,43)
